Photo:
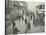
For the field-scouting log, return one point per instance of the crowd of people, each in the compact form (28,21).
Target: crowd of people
(27,20)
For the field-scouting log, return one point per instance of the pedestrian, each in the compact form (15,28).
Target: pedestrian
(25,21)
(15,31)
(28,26)
(19,18)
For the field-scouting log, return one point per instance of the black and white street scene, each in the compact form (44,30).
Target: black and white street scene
(24,17)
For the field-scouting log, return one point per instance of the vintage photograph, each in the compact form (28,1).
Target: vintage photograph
(24,17)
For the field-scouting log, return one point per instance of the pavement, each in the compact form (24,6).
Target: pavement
(21,26)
